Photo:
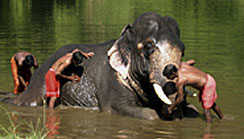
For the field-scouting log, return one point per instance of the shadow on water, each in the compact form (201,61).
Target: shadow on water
(212,32)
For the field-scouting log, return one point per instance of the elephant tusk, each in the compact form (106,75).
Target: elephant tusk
(159,91)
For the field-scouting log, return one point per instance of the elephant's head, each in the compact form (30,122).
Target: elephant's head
(143,51)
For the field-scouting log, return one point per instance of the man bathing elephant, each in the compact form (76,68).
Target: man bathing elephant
(54,74)
(21,64)
(126,74)
(205,83)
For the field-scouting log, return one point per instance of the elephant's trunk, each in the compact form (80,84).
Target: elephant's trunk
(165,54)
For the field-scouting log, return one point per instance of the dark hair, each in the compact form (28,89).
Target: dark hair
(77,57)
(29,60)
(169,70)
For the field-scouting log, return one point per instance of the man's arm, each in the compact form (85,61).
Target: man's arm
(87,55)
(35,63)
(179,99)
(14,69)
(22,81)
(73,78)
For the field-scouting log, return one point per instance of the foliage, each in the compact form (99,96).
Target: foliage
(12,132)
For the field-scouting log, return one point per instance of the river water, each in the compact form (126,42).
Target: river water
(212,31)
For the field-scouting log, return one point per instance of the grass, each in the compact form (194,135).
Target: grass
(12,132)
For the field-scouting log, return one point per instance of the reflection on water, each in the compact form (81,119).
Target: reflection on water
(212,32)
(52,123)
(207,132)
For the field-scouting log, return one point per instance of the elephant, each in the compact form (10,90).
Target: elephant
(125,76)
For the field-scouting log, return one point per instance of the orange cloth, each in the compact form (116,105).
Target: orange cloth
(52,84)
(18,86)
(208,95)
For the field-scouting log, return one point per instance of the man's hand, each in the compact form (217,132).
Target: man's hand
(190,62)
(88,55)
(169,111)
(74,78)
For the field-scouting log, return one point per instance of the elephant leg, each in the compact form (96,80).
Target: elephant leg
(149,114)
(139,112)
(190,111)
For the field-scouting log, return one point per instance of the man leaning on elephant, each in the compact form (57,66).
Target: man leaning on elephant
(187,74)
(21,64)
(54,74)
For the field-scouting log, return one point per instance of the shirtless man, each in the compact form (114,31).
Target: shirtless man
(21,64)
(54,74)
(189,75)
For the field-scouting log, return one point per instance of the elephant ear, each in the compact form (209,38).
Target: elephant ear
(123,31)
(117,61)
(119,55)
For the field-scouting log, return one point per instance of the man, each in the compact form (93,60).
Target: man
(189,75)
(21,64)
(54,74)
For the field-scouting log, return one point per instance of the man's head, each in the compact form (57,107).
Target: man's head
(170,71)
(29,61)
(77,58)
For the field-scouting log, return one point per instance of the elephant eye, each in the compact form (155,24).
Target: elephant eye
(148,48)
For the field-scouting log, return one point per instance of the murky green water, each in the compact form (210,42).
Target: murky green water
(213,32)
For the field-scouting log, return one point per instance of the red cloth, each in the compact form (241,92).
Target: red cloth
(52,84)
(208,95)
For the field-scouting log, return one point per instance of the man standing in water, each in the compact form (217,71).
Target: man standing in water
(21,64)
(54,74)
(189,75)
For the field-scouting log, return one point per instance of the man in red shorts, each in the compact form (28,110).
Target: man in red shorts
(21,64)
(189,75)
(53,76)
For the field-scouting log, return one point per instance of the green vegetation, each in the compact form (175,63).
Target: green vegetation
(13,131)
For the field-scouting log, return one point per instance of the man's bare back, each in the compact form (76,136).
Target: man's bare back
(66,60)
(20,57)
(189,75)
(63,62)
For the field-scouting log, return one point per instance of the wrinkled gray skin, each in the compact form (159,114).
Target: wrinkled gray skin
(122,73)
(79,94)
